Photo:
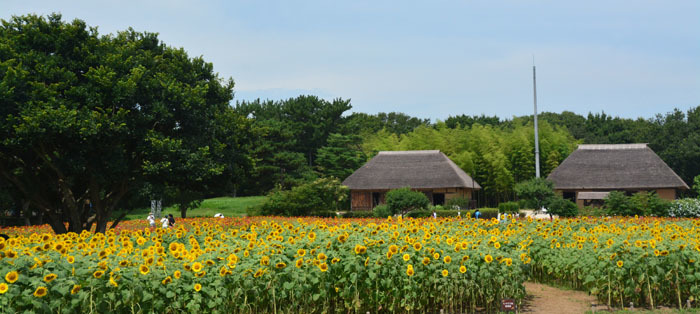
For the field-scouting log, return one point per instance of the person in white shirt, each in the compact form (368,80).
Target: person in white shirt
(165,222)
(219,215)
(151,220)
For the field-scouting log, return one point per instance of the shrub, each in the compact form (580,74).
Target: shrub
(419,214)
(561,207)
(325,194)
(460,202)
(618,204)
(686,207)
(535,192)
(324,214)
(650,204)
(382,211)
(404,199)
(509,207)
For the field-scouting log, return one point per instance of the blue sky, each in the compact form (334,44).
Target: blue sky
(430,59)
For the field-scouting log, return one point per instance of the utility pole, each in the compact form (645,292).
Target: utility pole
(537,140)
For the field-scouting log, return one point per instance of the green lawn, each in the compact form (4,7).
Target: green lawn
(229,206)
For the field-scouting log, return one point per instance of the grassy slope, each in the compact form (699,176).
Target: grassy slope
(229,206)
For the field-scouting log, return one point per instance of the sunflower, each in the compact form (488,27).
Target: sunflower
(70,259)
(98,274)
(445,273)
(393,249)
(323,267)
(312,236)
(75,289)
(406,257)
(436,256)
(280,265)
(177,274)
(360,249)
(3,288)
(321,257)
(299,263)
(113,282)
(409,270)
(40,292)
(426,260)
(417,246)
(143,269)
(264,261)
(200,274)
(342,238)
(620,263)
(197,266)
(167,280)
(447,259)
(488,258)
(50,277)
(197,287)
(462,269)
(12,276)
(335,260)
(301,252)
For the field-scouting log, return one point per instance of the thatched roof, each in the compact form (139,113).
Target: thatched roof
(614,166)
(418,169)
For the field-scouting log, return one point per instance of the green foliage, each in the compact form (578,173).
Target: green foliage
(641,203)
(458,202)
(618,204)
(557,205)
(535,192)
(509,207)
(650,204)
(696,185)
(404,199)
(104,117)
(382,211)
(341,156)
(321,195)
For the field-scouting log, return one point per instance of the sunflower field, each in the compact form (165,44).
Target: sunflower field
(274,264)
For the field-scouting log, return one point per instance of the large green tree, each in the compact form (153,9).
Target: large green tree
(98,118)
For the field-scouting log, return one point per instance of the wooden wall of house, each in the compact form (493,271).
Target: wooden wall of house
(454,192)
(667,194)
(361,200)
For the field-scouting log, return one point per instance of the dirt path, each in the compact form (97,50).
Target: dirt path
(546,299)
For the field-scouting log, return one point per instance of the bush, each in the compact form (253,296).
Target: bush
(641,203)
(404,199)
(509,207)
(562,207)
(460,202)
(535,193)
(324,214)
(382,211)
(321,195)
(419,214)
(358,214)
(618,204)
(650,204)
(686,207)
(486,213)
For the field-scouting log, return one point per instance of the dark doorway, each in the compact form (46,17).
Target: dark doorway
(438,198)
(375,199)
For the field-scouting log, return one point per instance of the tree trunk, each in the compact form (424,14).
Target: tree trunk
(56,222)
(183,210)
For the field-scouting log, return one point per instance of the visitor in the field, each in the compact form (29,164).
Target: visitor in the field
(151,220)
(171,220)
(165,222)
(218,215)
(477,214)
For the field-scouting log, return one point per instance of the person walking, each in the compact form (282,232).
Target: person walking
(151,220)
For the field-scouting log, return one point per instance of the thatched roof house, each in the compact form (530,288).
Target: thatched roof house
(613,167)
(428,171)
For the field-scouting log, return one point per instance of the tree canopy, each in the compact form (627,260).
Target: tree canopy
(87,122)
